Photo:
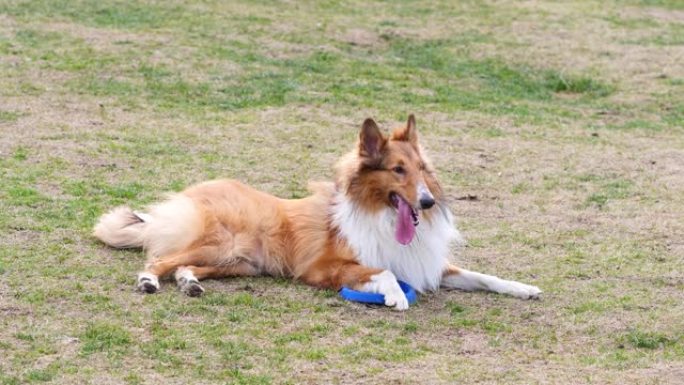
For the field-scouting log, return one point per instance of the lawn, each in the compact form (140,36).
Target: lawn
(557,128)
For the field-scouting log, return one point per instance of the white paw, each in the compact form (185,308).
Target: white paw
(397,300)
(386,284)
(521,290)
(192,288)
(148,283)
(187,283)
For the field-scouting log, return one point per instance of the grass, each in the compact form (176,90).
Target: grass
(106,337)
(562,119)
(646,340)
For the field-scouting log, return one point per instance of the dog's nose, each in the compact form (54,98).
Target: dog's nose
(426,202)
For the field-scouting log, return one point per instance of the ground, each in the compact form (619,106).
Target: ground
(556,128)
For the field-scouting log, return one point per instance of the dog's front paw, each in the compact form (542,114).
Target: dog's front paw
(386,284)
(394,296)
(533,292)
(524,291)
(397,300)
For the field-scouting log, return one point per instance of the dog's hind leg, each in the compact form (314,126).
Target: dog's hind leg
(148,280)
(188,277)
(457,278)
(187,282)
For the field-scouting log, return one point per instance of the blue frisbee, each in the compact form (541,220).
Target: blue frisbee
(375,298)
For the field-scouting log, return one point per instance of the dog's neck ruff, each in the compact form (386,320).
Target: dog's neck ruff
(371,236)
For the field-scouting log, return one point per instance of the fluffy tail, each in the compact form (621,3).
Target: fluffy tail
(168,227)
(121,228)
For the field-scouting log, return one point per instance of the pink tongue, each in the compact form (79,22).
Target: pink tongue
(405,228)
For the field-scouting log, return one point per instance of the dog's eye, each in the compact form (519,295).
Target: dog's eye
(399,170)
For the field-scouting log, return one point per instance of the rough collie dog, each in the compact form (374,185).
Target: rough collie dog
(383,219)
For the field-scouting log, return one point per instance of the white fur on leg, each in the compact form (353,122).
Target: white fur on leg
(386,283)
(187,282)
(148,282)
(470,280)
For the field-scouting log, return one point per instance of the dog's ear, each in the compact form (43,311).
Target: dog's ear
(408,133)
(371,140)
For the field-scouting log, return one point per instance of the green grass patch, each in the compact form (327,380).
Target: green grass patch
(648,340)
(20,153)
(670,4)
(111,13)
(9,116)
(559,82)
(25,196)
(639,124)
(610,190)
(126,191)
(39,376)
(104,337)
(419,72)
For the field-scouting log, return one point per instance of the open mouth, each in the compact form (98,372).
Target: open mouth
(407,219)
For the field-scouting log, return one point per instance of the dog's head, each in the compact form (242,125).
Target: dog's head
(391,172)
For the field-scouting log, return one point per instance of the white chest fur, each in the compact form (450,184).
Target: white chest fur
(371,236)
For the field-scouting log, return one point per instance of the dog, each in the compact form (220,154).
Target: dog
(383,218)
